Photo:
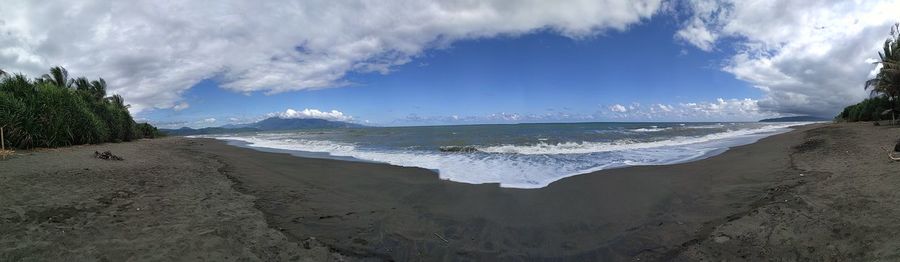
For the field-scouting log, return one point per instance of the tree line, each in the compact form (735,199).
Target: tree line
(884,87)
(54,110)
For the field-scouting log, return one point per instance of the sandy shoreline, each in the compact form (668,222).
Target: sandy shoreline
(162,203)
(820,192)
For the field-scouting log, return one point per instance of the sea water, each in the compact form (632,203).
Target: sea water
(519,155)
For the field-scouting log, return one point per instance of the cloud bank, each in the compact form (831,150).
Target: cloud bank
(152,51)
(809,57)
(313,113)
(618,108)
(720,110)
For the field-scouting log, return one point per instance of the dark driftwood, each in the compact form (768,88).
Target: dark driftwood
(106,156)
(891,154)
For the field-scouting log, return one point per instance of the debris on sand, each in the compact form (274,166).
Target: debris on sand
(6,153)
(107,156)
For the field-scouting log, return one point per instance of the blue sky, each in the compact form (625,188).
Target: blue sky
(537,73)
(455,61)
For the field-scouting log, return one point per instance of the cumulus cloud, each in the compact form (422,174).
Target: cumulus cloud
(665,108)
(151,52)
(696,31)
(313,113)
(809,57)
(618,108)
(720,110)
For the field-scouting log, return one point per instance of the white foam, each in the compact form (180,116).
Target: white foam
(320,146)
(719,125)
(651,129)
(531,166)
(622,145)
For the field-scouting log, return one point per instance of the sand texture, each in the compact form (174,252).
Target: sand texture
(825,192)
(162,203)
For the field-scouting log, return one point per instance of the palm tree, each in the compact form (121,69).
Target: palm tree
(118,101)
(2,73)
(82,84)
(887,81)
(98,89)
(58,76)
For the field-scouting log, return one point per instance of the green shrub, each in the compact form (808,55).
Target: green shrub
(42,113)
(146,130)
(868,110)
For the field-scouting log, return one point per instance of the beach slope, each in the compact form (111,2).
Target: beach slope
(161,203)
(822,192)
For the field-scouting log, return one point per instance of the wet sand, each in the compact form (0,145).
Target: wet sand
(823,192)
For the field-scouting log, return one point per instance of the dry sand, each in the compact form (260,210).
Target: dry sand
(162,203)
(823,192)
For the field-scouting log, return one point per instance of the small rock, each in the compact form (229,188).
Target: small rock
(721,239)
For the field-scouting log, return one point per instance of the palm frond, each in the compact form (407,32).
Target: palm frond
(59,76)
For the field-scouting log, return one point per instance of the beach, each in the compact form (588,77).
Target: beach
(820,192)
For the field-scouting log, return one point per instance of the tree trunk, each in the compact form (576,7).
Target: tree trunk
(893,101)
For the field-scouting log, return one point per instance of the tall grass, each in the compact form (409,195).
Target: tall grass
(52,111)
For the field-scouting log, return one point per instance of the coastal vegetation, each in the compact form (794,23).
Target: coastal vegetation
(884,88)
(54,110)
(870,109)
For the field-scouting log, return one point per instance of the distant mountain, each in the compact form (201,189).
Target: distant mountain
(268,124)
(796,119)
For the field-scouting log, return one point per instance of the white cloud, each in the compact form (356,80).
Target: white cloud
(181,106)
(809,57)
(618,108)
(208,120)
(494,118)
(720,110)
(151,51)
(313,113)
(507,117)
(665,108)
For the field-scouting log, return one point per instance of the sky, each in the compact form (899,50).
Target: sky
(186,63)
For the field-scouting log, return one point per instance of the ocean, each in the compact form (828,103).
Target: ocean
(519,155)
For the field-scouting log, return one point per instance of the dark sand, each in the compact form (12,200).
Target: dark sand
(162,203)
(823,192)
